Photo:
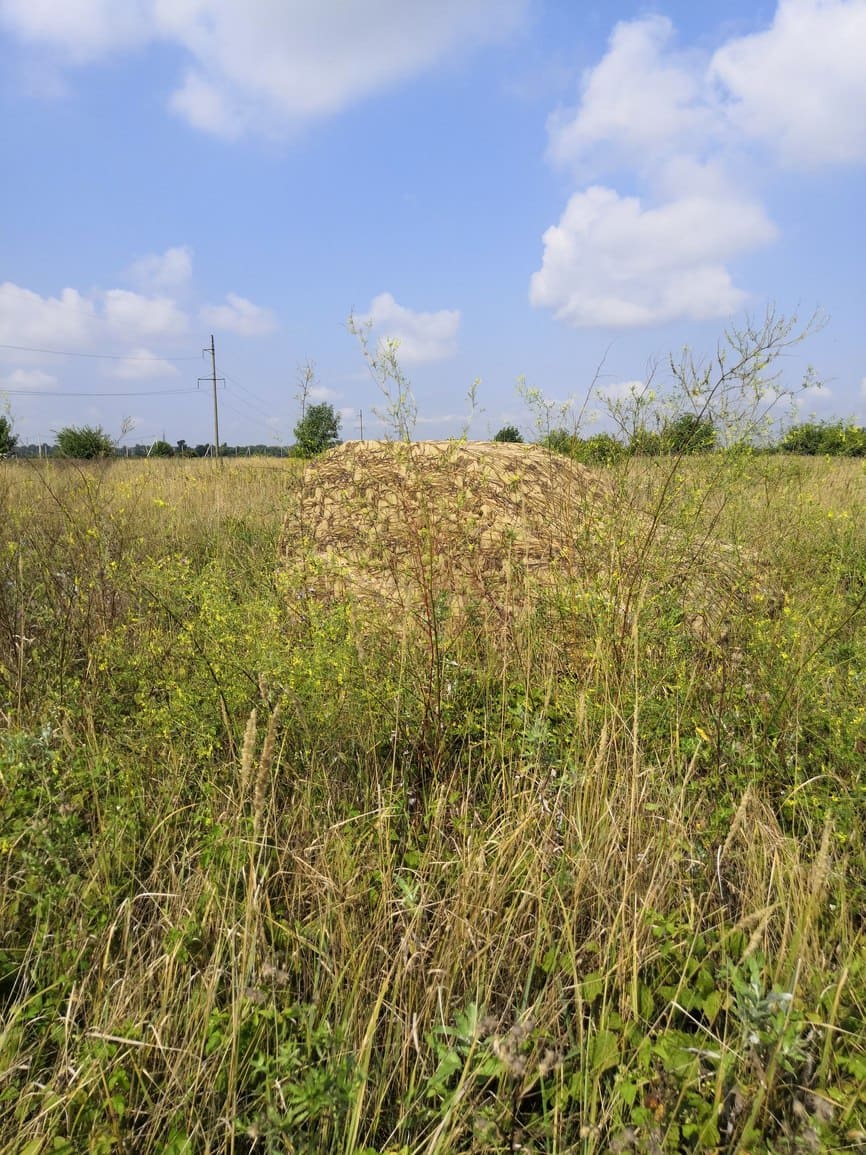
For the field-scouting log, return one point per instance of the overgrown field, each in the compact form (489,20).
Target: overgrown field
(586,874)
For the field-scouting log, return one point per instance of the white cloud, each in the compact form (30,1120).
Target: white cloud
(322,393)
(143,365)
(694,132)
(422,337)
(812,395)
(610,261)
(28,319)
(638,102)
(620,390)
(75,322)
(239,316)
(206,107)
(134,314)
(82,29)
(28,379)
(157,272)
(264,65)
(800,85)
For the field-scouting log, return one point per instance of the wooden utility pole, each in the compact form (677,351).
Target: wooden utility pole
(216,415)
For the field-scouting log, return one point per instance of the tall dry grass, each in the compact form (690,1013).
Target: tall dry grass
(238,911)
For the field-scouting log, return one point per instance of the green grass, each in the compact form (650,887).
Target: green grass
(277,879)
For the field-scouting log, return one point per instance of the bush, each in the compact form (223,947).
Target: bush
(825,438)
(561,441)
(161,449)
(645,443)
(8,440)
(689,433)
(509,434)
(318,430)
(601,449)
(84,442)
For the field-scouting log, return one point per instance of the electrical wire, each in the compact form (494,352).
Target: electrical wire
(100,356)
(59,393)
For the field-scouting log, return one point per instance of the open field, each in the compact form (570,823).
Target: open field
(580,871)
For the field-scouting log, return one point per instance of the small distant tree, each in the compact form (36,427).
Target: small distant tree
(688,433)
(560,441)
(8,440)
(161,449)
(509,434)
(84,442)
(318,430)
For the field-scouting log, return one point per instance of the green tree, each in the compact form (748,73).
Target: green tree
(509,434)
(689,433)
(318,430)
(161,449)
(84,442)
(8,440)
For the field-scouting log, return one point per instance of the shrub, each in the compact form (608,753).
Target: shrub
(561,441)
(688,433)
(84,442)
(161,449)
(645,443)
(825,438)
(601,449)
(8,439)
(510,434)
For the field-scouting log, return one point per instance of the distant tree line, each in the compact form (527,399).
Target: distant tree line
(319,428)
(691,434)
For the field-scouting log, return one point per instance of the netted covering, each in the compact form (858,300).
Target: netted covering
(409,523)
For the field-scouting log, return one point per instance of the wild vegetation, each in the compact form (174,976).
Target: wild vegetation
(586,875)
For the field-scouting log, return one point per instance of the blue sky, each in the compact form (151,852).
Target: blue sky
(510,188)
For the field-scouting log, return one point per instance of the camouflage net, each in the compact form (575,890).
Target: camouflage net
(404,523)
(436,528)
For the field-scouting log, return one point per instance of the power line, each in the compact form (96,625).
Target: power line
(61,393)
(100,356)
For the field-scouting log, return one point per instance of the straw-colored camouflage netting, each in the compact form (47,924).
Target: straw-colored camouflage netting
(406,522)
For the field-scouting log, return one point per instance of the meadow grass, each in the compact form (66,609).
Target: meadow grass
(264,891)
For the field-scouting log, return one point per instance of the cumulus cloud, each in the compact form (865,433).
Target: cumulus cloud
(322,393)
(611,261)
(159,272)
(239,316)
(139,315)
(83,30)
(642,98)
(693,132)
(800,85)
(422,337)
(262,64)
(143,365)
(26,318)
(34,379)
(76,321)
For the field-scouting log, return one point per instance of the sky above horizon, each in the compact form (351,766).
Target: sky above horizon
(534,189)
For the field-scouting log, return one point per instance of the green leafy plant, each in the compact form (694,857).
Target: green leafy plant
(508,434)
(84,442)
(8,440)
(318,430)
